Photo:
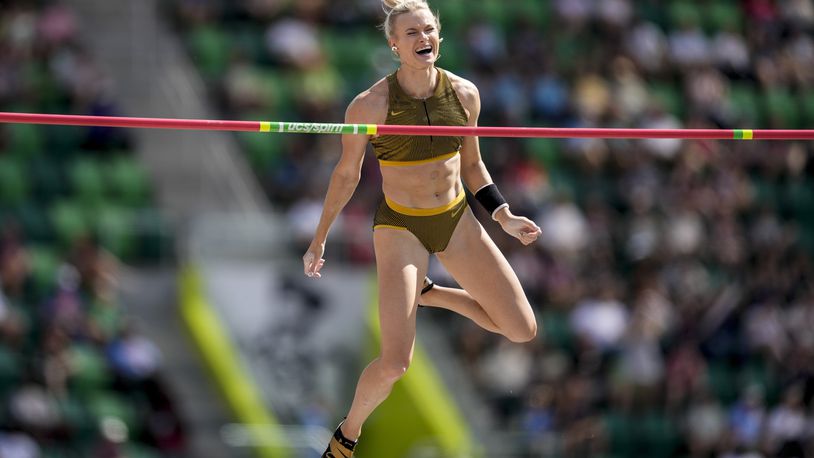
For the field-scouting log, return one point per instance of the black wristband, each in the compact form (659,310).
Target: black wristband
(491,199)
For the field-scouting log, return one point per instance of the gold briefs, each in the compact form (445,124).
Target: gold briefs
(432,226)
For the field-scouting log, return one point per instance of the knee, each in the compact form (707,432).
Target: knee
(524,333)
(392,369)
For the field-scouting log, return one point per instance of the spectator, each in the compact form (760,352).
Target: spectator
(786,425)
(746,419)
(705,424)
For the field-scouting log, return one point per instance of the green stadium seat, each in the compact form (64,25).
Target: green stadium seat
(757,372)
(807,239)
(684,13)
(322,86)
(11,369)
(653,12)
(87,179)
(563,182)
(557,330)
(799,196)
(154,237)
(262,150)
(723,381)
(564,49)
(497,12)
(62,142)
(745,103)
(136,450)
(44,265)
(782,109)
(108,317)
(127,180)
(343,51)
(620,430)
(102,404)
(90,374)
(13,185)
(249,39)
(507,14)
(536,12)
(723,15)
(68,220)
(659,434)
(60,451)
(545,151)
(41,84)
(670,96)
(453,56)
(211,48)
(34,221)
(115,227)
(47,178)
(25,140)
(807,107)
(766,191)
(77,417)
(454,16)
(279,96)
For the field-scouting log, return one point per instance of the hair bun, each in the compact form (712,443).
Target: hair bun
(389,5)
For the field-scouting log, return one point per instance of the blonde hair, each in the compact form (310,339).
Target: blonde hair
(395,8)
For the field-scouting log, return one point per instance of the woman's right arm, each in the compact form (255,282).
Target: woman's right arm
(344,180)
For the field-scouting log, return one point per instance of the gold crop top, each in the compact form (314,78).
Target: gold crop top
(443,108)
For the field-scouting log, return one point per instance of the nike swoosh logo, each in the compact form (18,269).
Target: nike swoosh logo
(396,113)
(455,212)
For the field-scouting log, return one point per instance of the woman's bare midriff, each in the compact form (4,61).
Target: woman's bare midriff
(425,185)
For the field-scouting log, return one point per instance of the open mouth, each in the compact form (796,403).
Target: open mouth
(426,50)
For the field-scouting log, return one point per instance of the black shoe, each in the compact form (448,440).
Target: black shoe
(340,446)
(428,284)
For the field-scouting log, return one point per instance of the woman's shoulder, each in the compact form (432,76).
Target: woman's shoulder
(372,102)
(466,90)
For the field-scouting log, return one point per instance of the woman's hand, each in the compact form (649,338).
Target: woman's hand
(312,260)
(519,227)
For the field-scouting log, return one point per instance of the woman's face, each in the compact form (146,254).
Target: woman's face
(415,34)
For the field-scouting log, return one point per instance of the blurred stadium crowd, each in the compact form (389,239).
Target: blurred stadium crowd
(674,278)
(77,378)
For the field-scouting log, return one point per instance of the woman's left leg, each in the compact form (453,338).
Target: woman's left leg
(461,302)
(476,263)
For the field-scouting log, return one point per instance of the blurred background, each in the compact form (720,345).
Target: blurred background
(151,296)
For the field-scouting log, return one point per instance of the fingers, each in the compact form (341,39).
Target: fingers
(528,237)
(523,229)
(530,234)
(311,268)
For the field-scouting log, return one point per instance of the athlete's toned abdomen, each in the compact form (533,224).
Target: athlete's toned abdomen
(423,186)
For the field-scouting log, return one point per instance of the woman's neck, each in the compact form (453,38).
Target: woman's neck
(418,83)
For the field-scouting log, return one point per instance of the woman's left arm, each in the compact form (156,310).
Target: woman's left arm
(477,178)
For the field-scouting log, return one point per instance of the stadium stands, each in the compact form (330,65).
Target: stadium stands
(77,379)
(673,278)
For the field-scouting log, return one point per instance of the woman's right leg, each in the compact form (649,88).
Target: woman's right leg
(401,264)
